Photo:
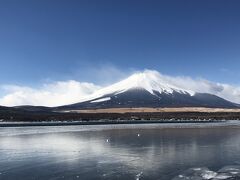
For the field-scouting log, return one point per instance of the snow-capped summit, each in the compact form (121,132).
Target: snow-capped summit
(149,80)
(148,89)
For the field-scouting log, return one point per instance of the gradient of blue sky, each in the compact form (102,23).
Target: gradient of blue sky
(59,40)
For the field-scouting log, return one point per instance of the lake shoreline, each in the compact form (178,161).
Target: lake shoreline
(109,122)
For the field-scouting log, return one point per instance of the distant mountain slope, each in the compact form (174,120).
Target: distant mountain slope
(24,109)
(33,108)
(3,108)
(148,89)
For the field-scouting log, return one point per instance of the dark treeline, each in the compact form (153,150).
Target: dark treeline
(9,115)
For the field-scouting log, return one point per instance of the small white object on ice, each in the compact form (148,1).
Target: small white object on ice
(138,135)
(197,169)
(107,140)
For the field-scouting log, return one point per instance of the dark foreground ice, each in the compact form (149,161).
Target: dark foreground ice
(227,172)
(128,152)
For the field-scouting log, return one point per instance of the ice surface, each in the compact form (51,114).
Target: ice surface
(15,131)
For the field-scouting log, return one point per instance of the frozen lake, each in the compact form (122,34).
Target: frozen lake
(147,151)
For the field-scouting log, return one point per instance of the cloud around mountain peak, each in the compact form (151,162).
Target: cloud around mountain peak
(72,91)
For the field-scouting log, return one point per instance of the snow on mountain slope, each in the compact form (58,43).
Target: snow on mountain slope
(101,100)
(150,80)
(148,89)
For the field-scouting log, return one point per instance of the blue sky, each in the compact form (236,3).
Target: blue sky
(59,40)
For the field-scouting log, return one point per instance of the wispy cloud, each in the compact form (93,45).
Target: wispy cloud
(103,74)
(67,92)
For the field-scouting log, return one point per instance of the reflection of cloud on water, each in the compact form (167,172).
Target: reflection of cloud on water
(72,148)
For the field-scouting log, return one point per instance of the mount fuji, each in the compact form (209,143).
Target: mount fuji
(148,89)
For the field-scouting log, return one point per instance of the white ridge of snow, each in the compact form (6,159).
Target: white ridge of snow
(149,80)
(101,100)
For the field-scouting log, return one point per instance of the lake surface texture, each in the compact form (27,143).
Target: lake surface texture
(149,151)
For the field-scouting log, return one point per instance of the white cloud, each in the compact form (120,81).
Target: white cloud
(68,92)
(226,91)
(54,94)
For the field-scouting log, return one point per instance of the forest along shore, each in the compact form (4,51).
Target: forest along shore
(171,114)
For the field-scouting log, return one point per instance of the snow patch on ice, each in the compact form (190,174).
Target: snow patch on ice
(138,176)
(209,175)
(227,172)
(221,176)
